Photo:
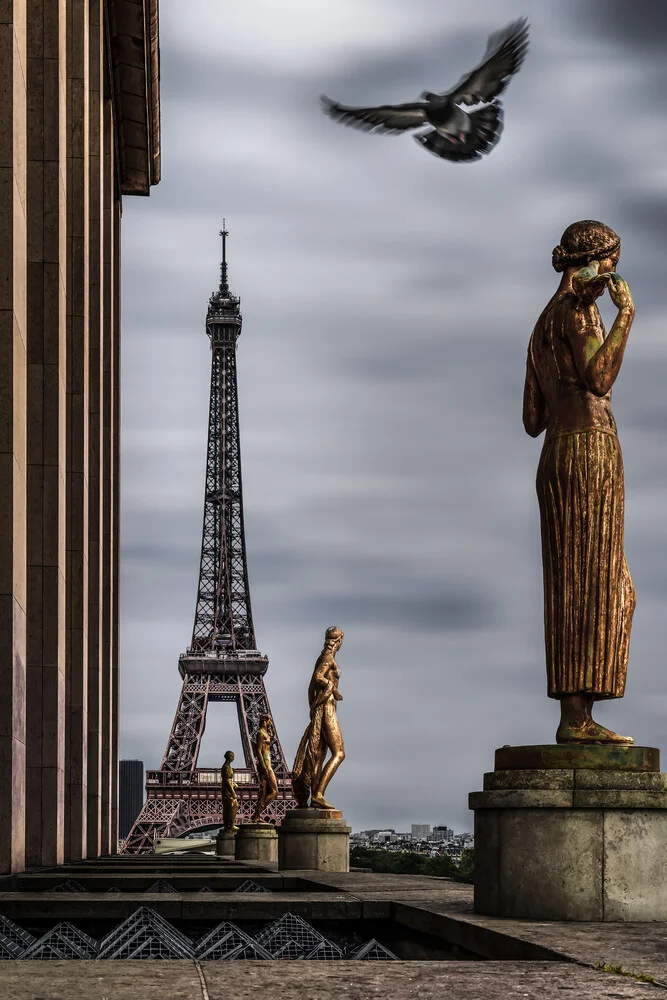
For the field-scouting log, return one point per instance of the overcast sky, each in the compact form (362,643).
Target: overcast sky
(387,297)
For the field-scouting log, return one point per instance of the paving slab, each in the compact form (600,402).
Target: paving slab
(121,980)
(417,981)
(180,980)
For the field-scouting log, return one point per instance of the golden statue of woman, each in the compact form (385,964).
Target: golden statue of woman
(589,597)
(230,802)
(310,776)
(268,786)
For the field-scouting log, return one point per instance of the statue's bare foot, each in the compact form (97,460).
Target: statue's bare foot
(591,732)
(608,736)
(235,829)
(317,802)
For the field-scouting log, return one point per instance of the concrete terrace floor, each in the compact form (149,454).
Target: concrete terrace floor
(523,958)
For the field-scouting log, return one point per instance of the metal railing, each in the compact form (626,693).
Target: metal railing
(205,776)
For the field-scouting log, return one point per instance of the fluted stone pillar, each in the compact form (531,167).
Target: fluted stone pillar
(109,481)
(95,787)
(46,454)
(77,426)
(13,383)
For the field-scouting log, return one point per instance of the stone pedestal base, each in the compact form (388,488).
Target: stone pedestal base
(572,841)
(256,842)
(314,840)
(225,844)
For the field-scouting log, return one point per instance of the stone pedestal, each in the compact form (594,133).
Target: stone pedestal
(314,840)
(256,842)
(225,844)
(581,837)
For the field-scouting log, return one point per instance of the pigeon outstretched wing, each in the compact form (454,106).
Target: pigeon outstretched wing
(505,51)
(385,118)
(487,124)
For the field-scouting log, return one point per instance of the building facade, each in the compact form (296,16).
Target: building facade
(420,831)
(441,834)
(79,128)
(130,794)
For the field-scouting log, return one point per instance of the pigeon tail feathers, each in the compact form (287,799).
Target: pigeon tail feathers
(487,126)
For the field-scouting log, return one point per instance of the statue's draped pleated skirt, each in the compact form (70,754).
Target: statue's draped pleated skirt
(589,597)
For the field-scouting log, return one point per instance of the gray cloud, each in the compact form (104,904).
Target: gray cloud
(451,610)
(640,26)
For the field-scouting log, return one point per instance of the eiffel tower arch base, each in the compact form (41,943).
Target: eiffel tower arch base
(182,798)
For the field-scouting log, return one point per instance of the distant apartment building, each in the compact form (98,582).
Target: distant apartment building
(131,794)
(420,831)
(441,834)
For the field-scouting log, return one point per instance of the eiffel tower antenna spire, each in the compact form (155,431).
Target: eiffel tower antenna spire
(224,286)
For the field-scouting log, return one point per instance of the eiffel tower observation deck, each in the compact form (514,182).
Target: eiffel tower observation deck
(222,662)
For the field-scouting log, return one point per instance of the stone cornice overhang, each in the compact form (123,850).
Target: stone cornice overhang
(134,57)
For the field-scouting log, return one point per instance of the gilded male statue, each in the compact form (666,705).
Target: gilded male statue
(230,803)
(589,597)
(310,776)
(268,786)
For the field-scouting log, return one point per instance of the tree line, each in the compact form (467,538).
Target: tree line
(409,863)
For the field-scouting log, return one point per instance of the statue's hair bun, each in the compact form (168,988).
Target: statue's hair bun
(559,258)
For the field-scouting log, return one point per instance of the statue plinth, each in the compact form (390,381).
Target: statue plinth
(225,844)
(314,840)
(586,841)
(256,842)
(573,756)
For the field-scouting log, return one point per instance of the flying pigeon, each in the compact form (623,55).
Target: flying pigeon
(456,134)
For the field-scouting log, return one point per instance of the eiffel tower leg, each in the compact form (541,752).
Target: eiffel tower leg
(158,818)
(186,733)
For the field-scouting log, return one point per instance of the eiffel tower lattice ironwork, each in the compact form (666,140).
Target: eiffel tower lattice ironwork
(222,662)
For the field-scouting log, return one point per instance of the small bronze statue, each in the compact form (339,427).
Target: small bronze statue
(309,776)
(589,597)
(230,803)
(268,786)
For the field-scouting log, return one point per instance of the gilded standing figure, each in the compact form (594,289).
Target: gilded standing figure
(310,776)
(230,802)
(589,597)
(268,786)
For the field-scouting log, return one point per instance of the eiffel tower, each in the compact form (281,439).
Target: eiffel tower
(222,662)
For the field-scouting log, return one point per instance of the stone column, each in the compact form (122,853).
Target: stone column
(13,361)
(45,688)
(109,830)
(95,130)
(115,485)
(572,833)
(76,528)
(115,531)
(256,842)
(314,840)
